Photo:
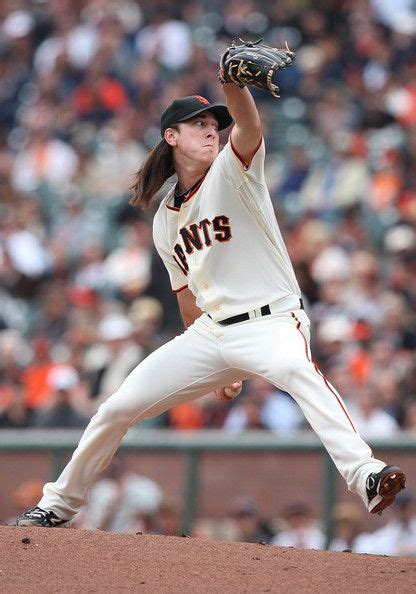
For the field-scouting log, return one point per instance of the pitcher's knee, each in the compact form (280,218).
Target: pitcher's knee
(116,411)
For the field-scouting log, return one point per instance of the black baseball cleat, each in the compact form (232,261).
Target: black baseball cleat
(40,517)
(382,487)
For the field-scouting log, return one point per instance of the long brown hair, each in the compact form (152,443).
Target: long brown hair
(152,174)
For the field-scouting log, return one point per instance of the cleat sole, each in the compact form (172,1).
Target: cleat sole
(390,485)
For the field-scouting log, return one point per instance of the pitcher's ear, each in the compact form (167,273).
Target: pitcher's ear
(170,136)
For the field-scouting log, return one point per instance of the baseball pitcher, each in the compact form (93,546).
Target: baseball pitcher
(218,237)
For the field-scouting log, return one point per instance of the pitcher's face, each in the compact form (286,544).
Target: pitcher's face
(196,139)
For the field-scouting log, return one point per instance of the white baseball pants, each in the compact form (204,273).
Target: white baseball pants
(205,357)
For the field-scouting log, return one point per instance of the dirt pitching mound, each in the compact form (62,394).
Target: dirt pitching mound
(62,560)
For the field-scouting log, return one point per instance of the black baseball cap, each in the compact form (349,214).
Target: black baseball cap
(186,108)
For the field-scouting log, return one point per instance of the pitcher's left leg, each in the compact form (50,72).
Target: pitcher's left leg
(278,350)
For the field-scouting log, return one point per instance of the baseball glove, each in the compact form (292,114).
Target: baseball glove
(254,64)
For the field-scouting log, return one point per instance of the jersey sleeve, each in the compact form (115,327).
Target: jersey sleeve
(237,169)
(178,279)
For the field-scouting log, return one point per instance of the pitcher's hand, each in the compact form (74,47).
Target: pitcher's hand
(230,392)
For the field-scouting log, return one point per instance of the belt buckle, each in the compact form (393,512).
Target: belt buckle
(255,313)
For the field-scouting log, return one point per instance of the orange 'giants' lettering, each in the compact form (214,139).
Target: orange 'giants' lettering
(181,259)
(221,226)
(204,224)
(192,238)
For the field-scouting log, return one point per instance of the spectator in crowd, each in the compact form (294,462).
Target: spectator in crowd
(51,320)
(347,526)
(264,407)
(340,182)
(110,361)
(244,417)
(166,520)
(371,420)
(410,417)
(299,529)
(127,268)
(26,259)
(26,493)
(72,230)
(14,413)
(293,179)
(35,378)
(44,159)
(249,525)
(61,410)
(117,155)
(334,341)
(397,537)
(121,501)
(146,314)
(91,270)
(188,415)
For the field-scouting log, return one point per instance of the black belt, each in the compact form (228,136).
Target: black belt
(264,311)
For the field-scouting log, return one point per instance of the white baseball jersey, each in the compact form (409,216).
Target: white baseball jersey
(224,242)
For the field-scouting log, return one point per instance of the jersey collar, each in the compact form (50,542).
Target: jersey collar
(179,199)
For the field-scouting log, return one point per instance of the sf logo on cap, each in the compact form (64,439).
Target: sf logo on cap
(202,99)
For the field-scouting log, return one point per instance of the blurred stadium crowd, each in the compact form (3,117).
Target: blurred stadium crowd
(83,295)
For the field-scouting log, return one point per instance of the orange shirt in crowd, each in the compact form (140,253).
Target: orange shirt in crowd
(186,416)
(360,366)
(36,386)
(6,396)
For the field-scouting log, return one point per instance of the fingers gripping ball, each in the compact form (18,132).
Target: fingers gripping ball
(230,392)
(254,64)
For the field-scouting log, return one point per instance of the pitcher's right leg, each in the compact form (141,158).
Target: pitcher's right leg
(186,368)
